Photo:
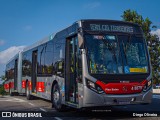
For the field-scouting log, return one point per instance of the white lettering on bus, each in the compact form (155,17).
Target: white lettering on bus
(112,28)
(111,89)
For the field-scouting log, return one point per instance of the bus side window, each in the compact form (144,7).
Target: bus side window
(79,70)
(59,68)
(49,58)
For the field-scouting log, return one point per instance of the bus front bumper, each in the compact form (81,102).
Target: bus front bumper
(93,99)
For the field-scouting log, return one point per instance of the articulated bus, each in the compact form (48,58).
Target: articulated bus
(92,63)
(13,75)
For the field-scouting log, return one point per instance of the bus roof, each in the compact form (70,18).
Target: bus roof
(46,39)
(14,57)
(78,23)
(107,20)
(95,25)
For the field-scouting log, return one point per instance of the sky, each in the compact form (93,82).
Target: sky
(24,22)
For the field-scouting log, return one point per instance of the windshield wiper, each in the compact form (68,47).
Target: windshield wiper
(125,47)
(112,49)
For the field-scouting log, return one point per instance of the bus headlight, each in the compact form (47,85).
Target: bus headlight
(93,86)
(147,86)
(90,84)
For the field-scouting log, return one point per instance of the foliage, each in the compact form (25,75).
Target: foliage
(2,77)
(152,40)
(2,91)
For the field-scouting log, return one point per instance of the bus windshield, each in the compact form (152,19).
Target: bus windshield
(116,54)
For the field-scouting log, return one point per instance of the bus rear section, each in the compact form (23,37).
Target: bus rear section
(13,73)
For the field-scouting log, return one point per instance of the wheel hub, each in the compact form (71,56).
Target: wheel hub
(56,96)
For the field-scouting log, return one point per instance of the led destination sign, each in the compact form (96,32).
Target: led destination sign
(111,28)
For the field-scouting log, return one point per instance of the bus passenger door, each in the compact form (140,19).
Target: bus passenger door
(71,72)
(34,71)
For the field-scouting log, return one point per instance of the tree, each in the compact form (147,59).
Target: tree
(152,40)
(2,91)
(2,77)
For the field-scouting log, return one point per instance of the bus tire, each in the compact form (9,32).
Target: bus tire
(56,99)
(28,95)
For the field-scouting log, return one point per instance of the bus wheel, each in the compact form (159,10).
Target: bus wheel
(56,99)
(10,92)
(28,95)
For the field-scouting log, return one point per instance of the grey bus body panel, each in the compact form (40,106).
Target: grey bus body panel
(19,76)
(48,81)
(85,68)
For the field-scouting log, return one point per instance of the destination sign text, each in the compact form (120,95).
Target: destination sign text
(111,28)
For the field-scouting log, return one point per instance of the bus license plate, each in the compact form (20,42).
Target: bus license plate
(123,102)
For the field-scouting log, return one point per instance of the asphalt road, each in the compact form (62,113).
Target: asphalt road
(19,104)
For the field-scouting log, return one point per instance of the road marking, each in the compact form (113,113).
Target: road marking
(7,96)
(21,100)
(43,109)
(156,96)
(12,99)
(31,104)
(7,100)
(57,118)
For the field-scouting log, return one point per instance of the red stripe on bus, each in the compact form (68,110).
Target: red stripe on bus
(11,85)
(6,86)
(40,86)
(122,88)
(23,83)
(30,85)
